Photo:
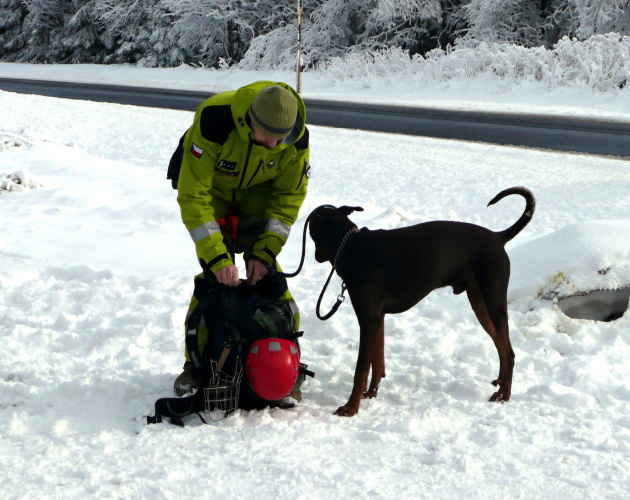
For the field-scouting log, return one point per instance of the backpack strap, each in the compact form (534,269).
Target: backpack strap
(175,164)
(177,408)
(192,325)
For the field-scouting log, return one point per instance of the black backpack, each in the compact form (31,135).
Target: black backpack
(236,317)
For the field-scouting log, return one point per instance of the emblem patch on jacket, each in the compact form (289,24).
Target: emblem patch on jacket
(227,165)
(196,150)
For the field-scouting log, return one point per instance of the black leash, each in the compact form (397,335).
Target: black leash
(340,298)
(306,223)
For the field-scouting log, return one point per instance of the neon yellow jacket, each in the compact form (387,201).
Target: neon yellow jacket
(222,167)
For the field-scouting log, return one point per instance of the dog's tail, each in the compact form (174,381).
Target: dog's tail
(530,206)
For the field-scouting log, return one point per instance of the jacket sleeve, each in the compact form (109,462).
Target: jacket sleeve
(194,198)
(286,197)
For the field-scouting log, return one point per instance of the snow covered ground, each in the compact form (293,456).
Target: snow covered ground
(96,274)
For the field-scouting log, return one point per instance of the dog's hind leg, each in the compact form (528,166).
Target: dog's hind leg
(491,311)
(378,361)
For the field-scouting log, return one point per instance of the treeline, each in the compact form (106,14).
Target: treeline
(262,34)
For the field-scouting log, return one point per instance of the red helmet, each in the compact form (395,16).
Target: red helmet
(272,368)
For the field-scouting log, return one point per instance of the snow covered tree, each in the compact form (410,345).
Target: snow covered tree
(266,15)
(136,31)
(407,24)
(47,30)
(451,25)
(80,39)
(210,31)
(335,26)
(259,34)
(584,18)
(163,49)
(12,13)
(43,18)
(593,17)
(274,33)
(509,21)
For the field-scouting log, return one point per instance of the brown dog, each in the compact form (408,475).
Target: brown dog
(390,271)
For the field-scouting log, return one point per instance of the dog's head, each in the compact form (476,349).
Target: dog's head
(327,226)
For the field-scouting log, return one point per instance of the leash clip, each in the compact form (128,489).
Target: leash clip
(341,297)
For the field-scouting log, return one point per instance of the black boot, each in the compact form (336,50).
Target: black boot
(186,382)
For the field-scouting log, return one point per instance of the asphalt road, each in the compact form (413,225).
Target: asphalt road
(534,131)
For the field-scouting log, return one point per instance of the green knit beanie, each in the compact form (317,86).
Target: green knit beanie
(273,111)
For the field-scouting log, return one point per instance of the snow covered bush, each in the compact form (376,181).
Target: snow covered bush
(364,66)
(18,181)
(601,63)
(507,61)
(9,140)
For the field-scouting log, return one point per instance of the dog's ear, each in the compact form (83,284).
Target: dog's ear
(348,210)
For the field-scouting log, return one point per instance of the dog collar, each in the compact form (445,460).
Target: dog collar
(343,244)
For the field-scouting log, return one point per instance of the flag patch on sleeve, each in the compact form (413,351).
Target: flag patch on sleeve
(196,150)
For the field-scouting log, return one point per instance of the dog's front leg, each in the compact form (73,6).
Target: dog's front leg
(361,371)
(368,353)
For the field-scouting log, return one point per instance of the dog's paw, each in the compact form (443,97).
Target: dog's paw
(499,397)
(370,394)
(346,411)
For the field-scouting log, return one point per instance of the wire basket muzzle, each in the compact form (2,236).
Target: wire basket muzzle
(222,393)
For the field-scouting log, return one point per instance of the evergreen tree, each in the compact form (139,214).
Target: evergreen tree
(135,31)
(162,42)
(12,14)
(43,19)
(211,32)
(80,40)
